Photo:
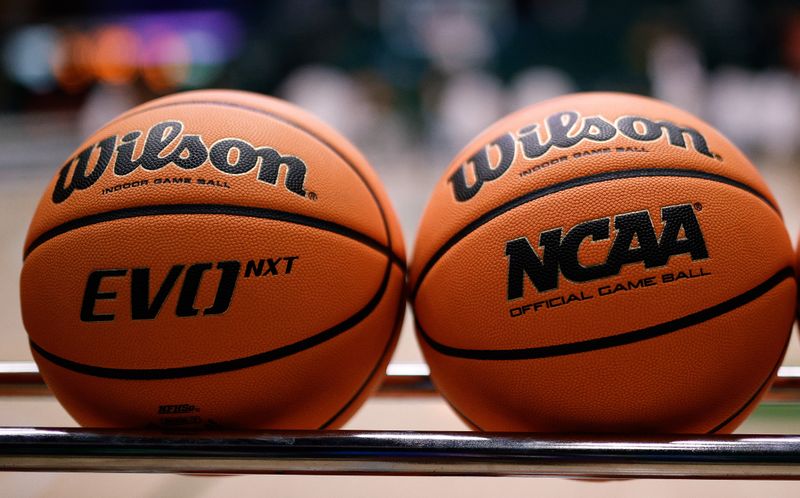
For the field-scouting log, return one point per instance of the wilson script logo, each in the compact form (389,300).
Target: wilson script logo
(231,156)
(565,129)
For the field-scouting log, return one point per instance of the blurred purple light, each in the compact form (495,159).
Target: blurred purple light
(212,36)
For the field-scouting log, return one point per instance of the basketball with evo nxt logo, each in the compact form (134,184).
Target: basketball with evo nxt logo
(602,263)
(213,259)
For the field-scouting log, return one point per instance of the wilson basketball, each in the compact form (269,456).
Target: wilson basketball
(602,263)
(213,259)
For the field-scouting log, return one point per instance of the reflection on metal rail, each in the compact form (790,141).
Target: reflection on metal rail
(396,453)
(401,453)
(21,378)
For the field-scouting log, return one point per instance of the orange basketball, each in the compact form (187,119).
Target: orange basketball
(213,259)
(602,263)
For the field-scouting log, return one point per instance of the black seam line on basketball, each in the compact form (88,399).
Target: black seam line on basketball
(458,412)
(222,366)
(573,183)
(214,209)
(744,407)
(289,122)
(613,340)
(758,391)
(397,323)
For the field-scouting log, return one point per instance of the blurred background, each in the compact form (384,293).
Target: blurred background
(409,82)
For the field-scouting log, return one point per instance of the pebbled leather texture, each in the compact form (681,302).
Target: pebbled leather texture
(315,254)
(682,345)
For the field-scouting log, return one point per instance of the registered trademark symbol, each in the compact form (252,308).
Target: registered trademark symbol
(698,206)
(312,196)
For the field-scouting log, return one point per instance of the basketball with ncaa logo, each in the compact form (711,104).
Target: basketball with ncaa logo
(603,263)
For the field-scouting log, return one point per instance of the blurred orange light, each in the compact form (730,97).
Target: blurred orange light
(72,61)
(791,44)
(115,55)
(169,62)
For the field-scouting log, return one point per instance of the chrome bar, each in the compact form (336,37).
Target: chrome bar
(21,378)
(401,453)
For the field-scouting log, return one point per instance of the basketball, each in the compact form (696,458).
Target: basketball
(213,259)
(602,262)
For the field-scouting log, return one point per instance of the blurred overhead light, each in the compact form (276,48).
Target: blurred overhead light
(453,34)
(115,55)
(168,61)
(169,49)
(71,60)
(536,84)
(26,57)
(333,96)
(470,102)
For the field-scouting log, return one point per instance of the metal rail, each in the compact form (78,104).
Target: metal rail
(401,453)
(396,453)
